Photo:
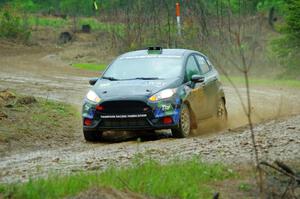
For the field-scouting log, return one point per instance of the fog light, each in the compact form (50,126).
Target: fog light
(167,120)
(99,108)
(87,122)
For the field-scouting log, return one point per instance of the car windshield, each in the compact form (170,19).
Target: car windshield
(146,68)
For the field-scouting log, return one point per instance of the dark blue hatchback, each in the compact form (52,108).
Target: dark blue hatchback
(154,89)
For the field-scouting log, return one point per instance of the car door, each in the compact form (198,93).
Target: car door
(196,98)
(211,84)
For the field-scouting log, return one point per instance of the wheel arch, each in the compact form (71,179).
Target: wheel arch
(221,95)
(224,99)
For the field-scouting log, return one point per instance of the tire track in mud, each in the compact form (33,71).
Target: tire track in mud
(229,147)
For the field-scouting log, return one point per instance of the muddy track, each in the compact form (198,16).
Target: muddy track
(276,140)
(46,76)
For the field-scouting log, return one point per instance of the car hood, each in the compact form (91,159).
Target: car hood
(130,88)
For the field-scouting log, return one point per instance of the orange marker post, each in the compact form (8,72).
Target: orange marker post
(177,10)
(178,18)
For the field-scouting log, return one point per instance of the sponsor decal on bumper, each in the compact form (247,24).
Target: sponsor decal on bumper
(123,116)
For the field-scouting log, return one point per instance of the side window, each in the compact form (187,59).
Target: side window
(203,64)
(191,68)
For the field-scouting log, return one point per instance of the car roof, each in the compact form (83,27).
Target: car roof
(165,52)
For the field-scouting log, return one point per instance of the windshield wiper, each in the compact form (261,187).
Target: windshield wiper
(139,78)
(110,78)
(147,78)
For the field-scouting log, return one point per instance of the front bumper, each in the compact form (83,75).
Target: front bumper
(131,115)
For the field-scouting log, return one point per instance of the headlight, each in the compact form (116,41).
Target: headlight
(92,96)
(164,94)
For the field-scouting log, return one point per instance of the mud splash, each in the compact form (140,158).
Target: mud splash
(267,104)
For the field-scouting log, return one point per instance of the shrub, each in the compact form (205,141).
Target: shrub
(12,26)
(287,47)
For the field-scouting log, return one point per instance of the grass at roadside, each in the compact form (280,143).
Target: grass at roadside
(55,22)
(238,80)
(27,122)
(51,113)
(47,22)
(180,179)
(90,66)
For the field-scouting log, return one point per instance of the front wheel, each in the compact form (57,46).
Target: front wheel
(92,136)
(184,128)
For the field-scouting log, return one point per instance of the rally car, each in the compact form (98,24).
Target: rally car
(154,89)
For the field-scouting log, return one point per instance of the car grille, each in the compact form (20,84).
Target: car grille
(124,107)
(125,123)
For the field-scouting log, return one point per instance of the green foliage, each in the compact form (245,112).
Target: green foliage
(25,5)
(55,22)
(265,5)
(71,7)
(180,179)
(287,46)
(86,7)
(90,66)
(80,7)
(293,23)
(77,7)
(50,22)
(12,26)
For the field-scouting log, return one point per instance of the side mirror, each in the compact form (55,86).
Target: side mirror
(93,81)
(198,79)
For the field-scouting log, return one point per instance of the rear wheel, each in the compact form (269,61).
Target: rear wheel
(184,128)
(222,115)
(92,136)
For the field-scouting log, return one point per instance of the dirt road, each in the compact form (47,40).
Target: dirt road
(276,140)
(44,74)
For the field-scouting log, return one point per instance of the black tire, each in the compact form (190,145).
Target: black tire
(64,37)
(184,128)
(92,136)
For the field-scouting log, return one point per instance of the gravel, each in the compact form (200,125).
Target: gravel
(276,139)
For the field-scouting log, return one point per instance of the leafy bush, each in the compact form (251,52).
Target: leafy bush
(267,4)
(12,26)
(293,24)
(287,46)
(77,7)
(26,5)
